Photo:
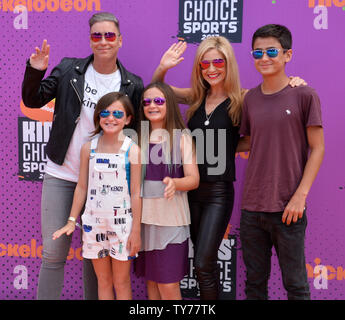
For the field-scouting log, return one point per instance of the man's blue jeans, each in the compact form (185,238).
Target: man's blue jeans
(259,232)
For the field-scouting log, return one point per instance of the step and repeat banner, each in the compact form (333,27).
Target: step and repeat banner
(148,28)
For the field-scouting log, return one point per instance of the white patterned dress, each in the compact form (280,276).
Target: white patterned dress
(107,219)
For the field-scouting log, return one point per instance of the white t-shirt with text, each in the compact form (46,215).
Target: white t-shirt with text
(96,85)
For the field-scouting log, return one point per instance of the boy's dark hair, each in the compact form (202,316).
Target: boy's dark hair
(281,33)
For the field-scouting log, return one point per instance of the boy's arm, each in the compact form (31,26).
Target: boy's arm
(134,240)
(296,205)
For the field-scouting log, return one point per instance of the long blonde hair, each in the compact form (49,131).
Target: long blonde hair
(232,83)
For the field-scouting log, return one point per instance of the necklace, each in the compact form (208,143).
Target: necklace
(208,117)
(207,122)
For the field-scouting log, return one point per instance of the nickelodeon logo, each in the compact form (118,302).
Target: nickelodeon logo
(33,251)
(326,3)
(332,273)
(44,114)
(51,5)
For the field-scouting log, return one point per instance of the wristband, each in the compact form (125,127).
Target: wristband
(72,219)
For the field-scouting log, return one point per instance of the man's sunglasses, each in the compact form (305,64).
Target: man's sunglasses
(109,36)
(118,114)
(271,53)
(217,63)
(157,101)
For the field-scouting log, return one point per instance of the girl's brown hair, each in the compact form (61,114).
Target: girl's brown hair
(173,118)
(106,101)
(173,121)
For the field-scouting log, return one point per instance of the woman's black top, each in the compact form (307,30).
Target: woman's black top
(216,148)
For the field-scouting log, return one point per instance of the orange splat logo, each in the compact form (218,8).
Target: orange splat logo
(44,114)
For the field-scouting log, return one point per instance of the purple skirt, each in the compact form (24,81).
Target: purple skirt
(163,266)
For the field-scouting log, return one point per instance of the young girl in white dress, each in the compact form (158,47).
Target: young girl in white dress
(109,182)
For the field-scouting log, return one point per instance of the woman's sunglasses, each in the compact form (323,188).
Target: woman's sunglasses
(271,53)
(97,36)
(217,63)
(157,101)
(118,114)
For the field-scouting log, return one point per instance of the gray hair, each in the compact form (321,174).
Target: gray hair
(104,16)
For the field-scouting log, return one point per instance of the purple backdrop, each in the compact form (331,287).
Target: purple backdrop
(148,28)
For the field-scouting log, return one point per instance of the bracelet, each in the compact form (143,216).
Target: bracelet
(72,219)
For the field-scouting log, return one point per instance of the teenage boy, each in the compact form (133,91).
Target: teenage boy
(282,125)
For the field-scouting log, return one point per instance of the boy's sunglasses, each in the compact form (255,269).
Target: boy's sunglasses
(271,53)
(118,114)
(97,36)
(157,101)
(217,63)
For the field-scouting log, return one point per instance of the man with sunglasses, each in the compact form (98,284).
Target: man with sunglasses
(76,84)
(283,127)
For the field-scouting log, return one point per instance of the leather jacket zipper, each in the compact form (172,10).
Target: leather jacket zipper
(76,91)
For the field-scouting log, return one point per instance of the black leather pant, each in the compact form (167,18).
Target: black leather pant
(211,206)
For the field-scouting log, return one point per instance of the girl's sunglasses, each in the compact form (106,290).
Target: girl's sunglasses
(217,63)
(118,114)
(97,36)
(157,101)
(271,53)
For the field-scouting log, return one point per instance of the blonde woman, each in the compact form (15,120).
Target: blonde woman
(215,100)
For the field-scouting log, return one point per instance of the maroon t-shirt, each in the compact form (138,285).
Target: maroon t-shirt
(276,124)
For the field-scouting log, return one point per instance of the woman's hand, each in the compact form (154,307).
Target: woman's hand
(172,57)
(170,189)
(296,82)
(39,60)
(68,229)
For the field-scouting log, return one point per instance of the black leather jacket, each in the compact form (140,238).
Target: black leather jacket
(66,85)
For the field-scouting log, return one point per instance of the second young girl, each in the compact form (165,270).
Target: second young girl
(169,171)
(109,181)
